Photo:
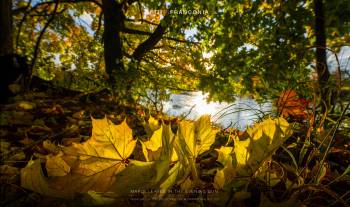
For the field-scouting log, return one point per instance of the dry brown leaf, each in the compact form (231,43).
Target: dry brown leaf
(289,104)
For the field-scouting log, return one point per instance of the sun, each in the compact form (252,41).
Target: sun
(202,106)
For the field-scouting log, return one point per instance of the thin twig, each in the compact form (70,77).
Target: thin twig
(37,45)
(21,23)
(331,140)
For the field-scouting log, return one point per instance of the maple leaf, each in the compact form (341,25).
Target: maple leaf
(193,138)
(248,155)
(289,104)
(152,148)
(226,174)
(154,173)
(33,178)
(151,126)
(196,138)
(264,139)
(140,176)
(90,166)
(147,175)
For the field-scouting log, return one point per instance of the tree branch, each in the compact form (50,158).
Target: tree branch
(140,32)
(153,39)
(99,24)
(21,23)
(18,10)
(37,46)
(141,20)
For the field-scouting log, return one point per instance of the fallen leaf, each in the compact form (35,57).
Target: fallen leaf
(4,146)
(247,156)
(226,174)
(49,146)
(15,88)
(90,166)
(196,137)
(26,141)
(193,138)
(264,139)
(151,126)
(26,105)
(142,176)
(8,170)
(56,109)
(152,148)
(78,115)
(289,104)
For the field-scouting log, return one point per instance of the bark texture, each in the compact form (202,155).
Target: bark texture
(6,40)
(321,55)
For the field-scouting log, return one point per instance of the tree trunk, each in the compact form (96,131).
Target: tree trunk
(321,57)
(113,55)
(6,41)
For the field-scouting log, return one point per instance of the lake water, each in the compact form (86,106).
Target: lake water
(240,114)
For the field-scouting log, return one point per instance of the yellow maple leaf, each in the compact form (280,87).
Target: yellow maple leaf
(264,138)
(33,178)
(152,148)
(193,138)
(196,137)
(151,126)
(153,123)
(90,166)
(147,175)
(241,151)
(56,166)
(226,174)
(248,155)
(224,154)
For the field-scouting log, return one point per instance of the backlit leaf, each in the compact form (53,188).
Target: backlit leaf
(152,148)
(248,155)
(226,174)
(145,175)
(151,126)
(264,139)
(90,166)
(193,138)
(196,137)
(289,104)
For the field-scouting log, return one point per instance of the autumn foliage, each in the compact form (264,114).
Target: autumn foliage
(103,169)
(289,104)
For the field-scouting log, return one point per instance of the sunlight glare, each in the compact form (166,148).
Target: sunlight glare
(202,106)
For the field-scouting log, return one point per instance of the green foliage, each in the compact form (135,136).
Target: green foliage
(260,45)
(338,22)
(73,41)
(257,47)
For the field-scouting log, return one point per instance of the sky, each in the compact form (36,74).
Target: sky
(344,60)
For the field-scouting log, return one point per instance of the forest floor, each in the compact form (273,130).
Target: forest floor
(28,120)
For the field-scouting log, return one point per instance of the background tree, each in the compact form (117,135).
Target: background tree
(258,47)
(263,47)
(326,88)
(136,40)
(6,43)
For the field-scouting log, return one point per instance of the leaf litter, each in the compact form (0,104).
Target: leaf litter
(97,162)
